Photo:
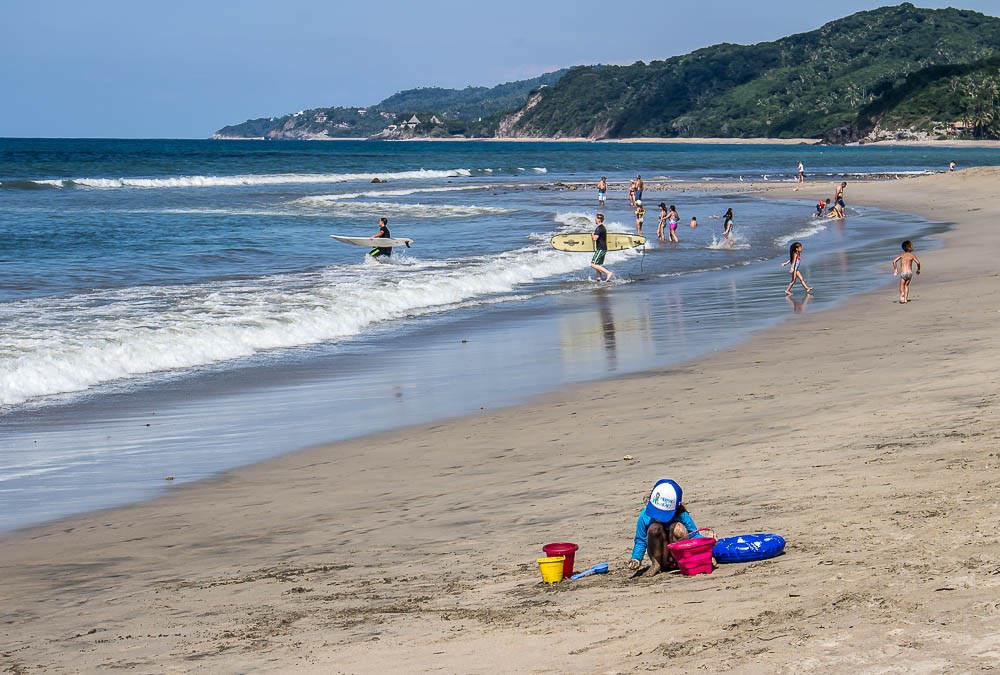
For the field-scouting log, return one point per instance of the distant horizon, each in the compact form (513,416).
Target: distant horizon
(115,70)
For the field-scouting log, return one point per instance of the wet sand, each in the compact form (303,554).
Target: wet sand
(866,435)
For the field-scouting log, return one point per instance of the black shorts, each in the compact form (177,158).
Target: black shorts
(598,258)
(379,252)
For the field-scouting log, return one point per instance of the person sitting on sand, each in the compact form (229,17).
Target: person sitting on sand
(906,260)
(662,521)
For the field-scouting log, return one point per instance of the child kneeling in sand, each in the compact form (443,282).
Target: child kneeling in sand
(663,521)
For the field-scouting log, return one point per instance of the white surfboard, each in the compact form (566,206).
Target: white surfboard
(584,242)
(379,242)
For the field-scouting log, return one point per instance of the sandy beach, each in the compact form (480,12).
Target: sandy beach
(866,435)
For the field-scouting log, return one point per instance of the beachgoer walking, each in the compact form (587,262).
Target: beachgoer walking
(638,187)
(662,521)
(906,261)
(640,214)
(794,258)
(727,226)
(602,191)
(801,177)
(662,222)
(383,233)
(672,220)
(600,236)
(951,166)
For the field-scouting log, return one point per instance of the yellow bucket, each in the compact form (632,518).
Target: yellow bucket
(552,568)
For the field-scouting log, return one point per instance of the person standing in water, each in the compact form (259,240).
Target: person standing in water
(600,236)
(794,258)
(672,221)
(602,190)
(639,185)
(906,261)
(640,215)
(383,233)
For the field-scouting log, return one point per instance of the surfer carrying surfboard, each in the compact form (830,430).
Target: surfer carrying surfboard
(600,236)
(383,233)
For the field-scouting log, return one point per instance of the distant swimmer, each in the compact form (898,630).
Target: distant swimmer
(600,236)
(602,191)
(383,233)
(694,222)
(906,261)
(794,258)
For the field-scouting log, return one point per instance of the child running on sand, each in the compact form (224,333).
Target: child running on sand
(906,260)
(794,257)
(662,521)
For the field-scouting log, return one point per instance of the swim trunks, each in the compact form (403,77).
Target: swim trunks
(598,258)
(906,276)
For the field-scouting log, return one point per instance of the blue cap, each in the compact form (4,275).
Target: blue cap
(664,500)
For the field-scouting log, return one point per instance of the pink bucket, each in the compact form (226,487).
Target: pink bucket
(693,556)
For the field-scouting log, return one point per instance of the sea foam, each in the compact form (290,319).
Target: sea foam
(254,179)
(53,346)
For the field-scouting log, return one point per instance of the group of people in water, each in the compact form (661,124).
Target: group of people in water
(907,262)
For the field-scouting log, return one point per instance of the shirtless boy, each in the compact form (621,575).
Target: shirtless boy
(906,261)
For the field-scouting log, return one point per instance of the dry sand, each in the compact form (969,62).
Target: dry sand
(866,435)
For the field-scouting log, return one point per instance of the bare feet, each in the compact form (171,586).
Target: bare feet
(608,278)
(809,289)
(788,291)
(653,570)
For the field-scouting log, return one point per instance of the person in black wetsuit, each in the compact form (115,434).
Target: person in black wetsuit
(383,233)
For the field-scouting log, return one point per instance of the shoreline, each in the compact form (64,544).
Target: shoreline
(318,559)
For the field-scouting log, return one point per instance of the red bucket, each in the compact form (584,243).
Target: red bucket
(693,556)
(565,549)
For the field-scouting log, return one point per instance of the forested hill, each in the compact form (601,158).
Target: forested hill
(838,83)
(453,108)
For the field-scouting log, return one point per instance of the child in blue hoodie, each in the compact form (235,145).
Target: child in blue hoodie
(663,521)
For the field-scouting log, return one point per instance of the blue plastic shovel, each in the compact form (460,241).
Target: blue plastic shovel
(599,568)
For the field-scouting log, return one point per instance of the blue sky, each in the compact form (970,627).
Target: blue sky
(181,69)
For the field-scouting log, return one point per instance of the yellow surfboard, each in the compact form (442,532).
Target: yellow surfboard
(584,242)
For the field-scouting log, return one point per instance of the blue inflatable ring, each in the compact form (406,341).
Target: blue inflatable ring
(748,547)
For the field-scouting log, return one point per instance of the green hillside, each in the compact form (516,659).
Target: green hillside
(454,107)
(469,103)
(811,85)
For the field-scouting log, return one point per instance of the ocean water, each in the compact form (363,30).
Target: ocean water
(178,308)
